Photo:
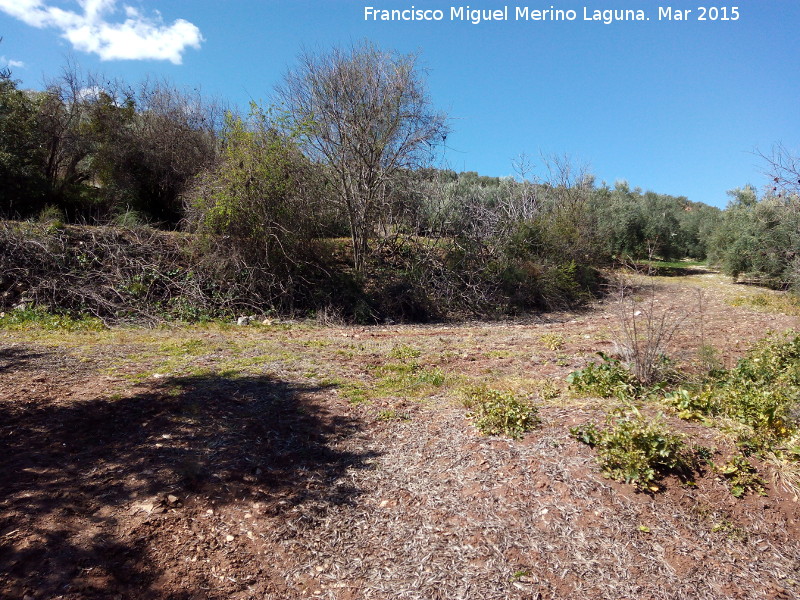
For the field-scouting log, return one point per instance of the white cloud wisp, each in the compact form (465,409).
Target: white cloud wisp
(137,37)
(11,63)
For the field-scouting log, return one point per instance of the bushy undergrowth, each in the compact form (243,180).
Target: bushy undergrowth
(758,401)
(42,319)
(142,274)
(638,450)
(500,413)
(742,476)
(761,395)
(605,379)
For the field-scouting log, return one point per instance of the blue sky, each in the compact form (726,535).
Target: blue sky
(676,107)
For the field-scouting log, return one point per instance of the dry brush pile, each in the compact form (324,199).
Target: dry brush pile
(115,274)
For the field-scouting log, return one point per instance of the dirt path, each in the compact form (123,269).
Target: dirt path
(294,461)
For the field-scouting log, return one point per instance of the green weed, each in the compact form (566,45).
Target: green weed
(782,303)
(761,394)
(606,379)
(553,341)
(392,415)
(742,476)
(404,351)
(500,413)
(637,450)
(39,318)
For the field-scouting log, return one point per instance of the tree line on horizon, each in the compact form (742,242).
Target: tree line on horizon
(346,152)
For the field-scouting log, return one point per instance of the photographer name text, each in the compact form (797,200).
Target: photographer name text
(476,16)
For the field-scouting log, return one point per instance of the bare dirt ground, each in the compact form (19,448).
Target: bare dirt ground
(300,461)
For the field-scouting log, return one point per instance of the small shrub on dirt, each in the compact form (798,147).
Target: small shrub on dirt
(606,379)
(742,477)
(645,331)
(390,414)
(404,351)
(548,390)
(637,450)
(500,413)
(691,407)
(553,341)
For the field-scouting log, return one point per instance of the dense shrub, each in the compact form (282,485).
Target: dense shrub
(758,239)
(113,273)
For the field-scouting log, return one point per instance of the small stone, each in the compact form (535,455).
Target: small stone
(172,499)
(229,538)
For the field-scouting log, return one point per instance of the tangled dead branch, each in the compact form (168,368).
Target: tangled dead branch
(116,274)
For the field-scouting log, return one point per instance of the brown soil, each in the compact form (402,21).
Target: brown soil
(190,482)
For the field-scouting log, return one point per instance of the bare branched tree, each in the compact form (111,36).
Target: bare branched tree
(367,116)
(63,112)
(784,169)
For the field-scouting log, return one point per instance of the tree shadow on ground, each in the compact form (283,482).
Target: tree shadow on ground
(14,359)
(70,469)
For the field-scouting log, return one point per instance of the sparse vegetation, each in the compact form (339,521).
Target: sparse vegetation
(637,449)
(605,379)
(500,413)
(760,394)
(742,476)
(355,424)
(308,284)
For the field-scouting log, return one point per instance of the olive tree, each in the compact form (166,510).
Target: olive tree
(367,116)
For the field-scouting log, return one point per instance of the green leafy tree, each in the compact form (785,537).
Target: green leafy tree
(759,239)
(261,201)
(23,186)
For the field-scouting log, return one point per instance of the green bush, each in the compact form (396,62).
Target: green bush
(500,413)
(606,379)
(761,393)
(742,476)
(637,450)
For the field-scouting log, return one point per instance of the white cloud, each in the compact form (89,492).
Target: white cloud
(10,62)
(137,37)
